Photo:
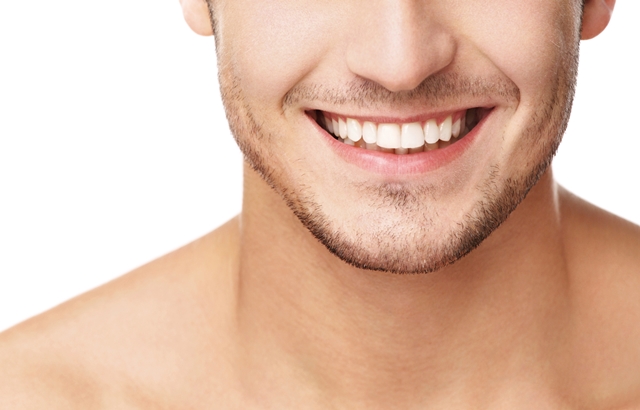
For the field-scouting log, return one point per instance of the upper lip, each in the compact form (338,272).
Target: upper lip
(382,119)
(401,115)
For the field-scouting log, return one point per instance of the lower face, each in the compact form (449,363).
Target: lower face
(404,181)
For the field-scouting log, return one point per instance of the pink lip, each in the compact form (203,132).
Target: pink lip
(395,165)
(439,117)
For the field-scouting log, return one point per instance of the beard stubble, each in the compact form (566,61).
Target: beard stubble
(408,251)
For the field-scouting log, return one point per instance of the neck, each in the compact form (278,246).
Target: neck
(360,336)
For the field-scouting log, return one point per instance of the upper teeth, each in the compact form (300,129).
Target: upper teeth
(394,135)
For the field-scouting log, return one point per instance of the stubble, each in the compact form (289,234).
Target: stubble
(417,247)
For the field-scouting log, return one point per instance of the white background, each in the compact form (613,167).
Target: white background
(114,148)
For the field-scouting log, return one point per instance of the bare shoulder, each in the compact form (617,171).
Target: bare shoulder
(603,257)
(605,241)
(121,345)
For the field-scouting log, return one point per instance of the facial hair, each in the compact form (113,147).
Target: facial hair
(418,247)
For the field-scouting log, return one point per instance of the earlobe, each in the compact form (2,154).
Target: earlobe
(196,14)
(596,16)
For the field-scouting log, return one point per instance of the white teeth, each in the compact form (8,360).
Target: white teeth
(329,124)
(369,132)
(388,136)
(354,130)
(342,128)
(396,138)
(445,129)
(412,135)
(455,128)
(431,132)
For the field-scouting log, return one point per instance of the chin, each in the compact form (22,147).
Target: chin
(411,238)
(404,226)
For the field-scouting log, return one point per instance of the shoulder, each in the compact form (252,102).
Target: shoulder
(128,339)
(606,242)
(603,257)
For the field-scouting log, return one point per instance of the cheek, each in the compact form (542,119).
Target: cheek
(528,41)
(271,45)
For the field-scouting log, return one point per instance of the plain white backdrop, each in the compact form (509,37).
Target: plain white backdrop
(114,148)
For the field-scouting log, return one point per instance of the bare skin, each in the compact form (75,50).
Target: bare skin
(227,323)
(259,314)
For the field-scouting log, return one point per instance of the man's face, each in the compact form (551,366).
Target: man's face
(499,74)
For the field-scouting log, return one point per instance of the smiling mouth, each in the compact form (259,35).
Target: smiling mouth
(400,138)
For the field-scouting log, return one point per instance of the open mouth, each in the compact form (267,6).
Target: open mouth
(401,138)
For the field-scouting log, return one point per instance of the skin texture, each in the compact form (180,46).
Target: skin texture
(528,303)
(402,224)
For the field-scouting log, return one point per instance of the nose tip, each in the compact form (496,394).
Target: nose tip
(399,48)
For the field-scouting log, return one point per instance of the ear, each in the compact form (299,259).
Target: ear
(596,16)
(196,14)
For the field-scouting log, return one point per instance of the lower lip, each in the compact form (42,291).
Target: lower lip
(397,164)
